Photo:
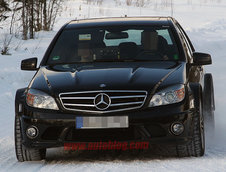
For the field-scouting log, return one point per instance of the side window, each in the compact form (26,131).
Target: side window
(186,37)
(186,44)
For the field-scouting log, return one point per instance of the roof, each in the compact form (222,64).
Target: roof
(115,21)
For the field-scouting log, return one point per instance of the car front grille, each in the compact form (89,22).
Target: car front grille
(103,101)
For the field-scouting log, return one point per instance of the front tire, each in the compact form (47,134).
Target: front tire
(196,147)
(209,105)
(22,153)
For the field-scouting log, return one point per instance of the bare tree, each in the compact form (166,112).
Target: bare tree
(129,2)
(53,7)
(37,15)
(140,3)
(4,8)
(7,38)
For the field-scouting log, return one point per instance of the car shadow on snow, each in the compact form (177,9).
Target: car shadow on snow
(155,152)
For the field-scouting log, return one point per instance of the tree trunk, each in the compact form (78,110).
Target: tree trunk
(24,21)
(31,19)
(45,15)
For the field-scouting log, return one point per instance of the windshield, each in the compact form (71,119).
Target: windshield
(114,44)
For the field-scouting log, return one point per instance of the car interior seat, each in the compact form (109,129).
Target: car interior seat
(84,52)
(128,50)
(152,43)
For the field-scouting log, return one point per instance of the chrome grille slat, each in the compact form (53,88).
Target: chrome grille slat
(72,98)
(123,104)
(121,100)
(125,97)
(85,105)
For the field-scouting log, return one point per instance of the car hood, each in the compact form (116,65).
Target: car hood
(107,76)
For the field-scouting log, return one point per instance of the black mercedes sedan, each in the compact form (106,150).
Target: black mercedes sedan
(116,83)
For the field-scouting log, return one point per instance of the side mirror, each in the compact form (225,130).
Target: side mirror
(201,59)
(29,64)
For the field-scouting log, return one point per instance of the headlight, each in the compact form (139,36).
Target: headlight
(170,95)
(39,99)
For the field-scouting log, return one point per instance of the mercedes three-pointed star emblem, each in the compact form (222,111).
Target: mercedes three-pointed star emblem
(102,101)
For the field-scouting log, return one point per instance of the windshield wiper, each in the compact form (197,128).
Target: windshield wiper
(109,60)
(153,60)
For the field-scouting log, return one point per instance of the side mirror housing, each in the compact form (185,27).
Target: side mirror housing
(29,64)
(201,59)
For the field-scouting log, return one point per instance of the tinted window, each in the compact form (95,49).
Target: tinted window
(114,44)
(186,44)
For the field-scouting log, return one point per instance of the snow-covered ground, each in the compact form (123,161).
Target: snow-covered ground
(205,23)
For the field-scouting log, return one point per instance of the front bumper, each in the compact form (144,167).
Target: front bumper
(150,124)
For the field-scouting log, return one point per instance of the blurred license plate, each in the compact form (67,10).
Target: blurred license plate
(102,122)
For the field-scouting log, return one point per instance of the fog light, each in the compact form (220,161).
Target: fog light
(32,132)
(177,128)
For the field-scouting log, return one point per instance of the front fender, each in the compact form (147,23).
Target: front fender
(19,101)
(196,90)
